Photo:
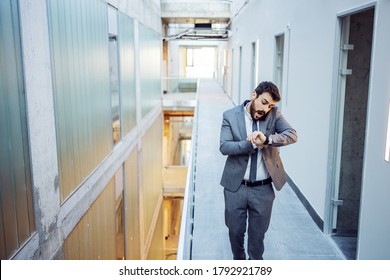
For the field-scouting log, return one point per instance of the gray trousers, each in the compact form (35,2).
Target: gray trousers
(252,204)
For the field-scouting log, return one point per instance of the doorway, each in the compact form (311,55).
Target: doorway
(254,65)
(279,61)
(352,97)
(239,74)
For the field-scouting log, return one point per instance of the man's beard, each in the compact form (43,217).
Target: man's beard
(253,111)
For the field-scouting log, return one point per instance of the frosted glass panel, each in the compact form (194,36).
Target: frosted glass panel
(79,45)
(132,211)
(127,73)
(94,237)
(16,211)
(150,64)
(387,151)
(156,251)
(152,170)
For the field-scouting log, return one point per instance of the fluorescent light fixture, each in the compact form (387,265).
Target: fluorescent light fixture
(387,151)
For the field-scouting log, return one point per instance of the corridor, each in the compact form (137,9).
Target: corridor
(292,234)
(87,163)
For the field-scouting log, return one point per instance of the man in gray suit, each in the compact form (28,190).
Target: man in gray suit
(250,135)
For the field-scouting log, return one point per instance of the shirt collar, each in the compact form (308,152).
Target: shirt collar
(246,111)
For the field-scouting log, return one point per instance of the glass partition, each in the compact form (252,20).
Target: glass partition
(17,222)
(79,46)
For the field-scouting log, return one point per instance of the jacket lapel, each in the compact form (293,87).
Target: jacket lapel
(241,121)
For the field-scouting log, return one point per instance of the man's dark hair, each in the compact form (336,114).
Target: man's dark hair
(270,88)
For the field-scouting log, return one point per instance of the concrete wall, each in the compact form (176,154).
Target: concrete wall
(195,9)
(148,11)
(38,83)
(311,29)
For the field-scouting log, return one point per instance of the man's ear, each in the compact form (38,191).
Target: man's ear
(254,95)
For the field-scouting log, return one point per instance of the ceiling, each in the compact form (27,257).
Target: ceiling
(195,20)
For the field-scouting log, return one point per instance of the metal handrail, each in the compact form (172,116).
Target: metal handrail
(184,251)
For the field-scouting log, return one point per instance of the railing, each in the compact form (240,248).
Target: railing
(179,85)
(184,251)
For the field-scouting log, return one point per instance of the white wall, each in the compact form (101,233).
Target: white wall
(310,29)
(374,239)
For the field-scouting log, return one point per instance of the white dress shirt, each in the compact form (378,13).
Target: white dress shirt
(262,172)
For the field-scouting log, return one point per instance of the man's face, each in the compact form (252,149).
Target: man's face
(261,106)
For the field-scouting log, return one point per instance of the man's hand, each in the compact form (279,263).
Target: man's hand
(258,138)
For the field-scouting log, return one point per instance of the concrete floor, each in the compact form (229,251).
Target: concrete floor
(292,234)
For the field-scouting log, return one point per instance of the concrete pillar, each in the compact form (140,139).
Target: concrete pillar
(41,124)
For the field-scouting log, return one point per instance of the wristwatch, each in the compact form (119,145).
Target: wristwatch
(268,140)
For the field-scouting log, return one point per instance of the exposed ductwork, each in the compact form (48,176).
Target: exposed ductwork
(195,20)
(199,34)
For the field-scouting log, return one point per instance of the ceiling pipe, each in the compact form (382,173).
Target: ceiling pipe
(239,11)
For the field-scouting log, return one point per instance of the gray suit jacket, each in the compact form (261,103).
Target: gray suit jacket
(233,143)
